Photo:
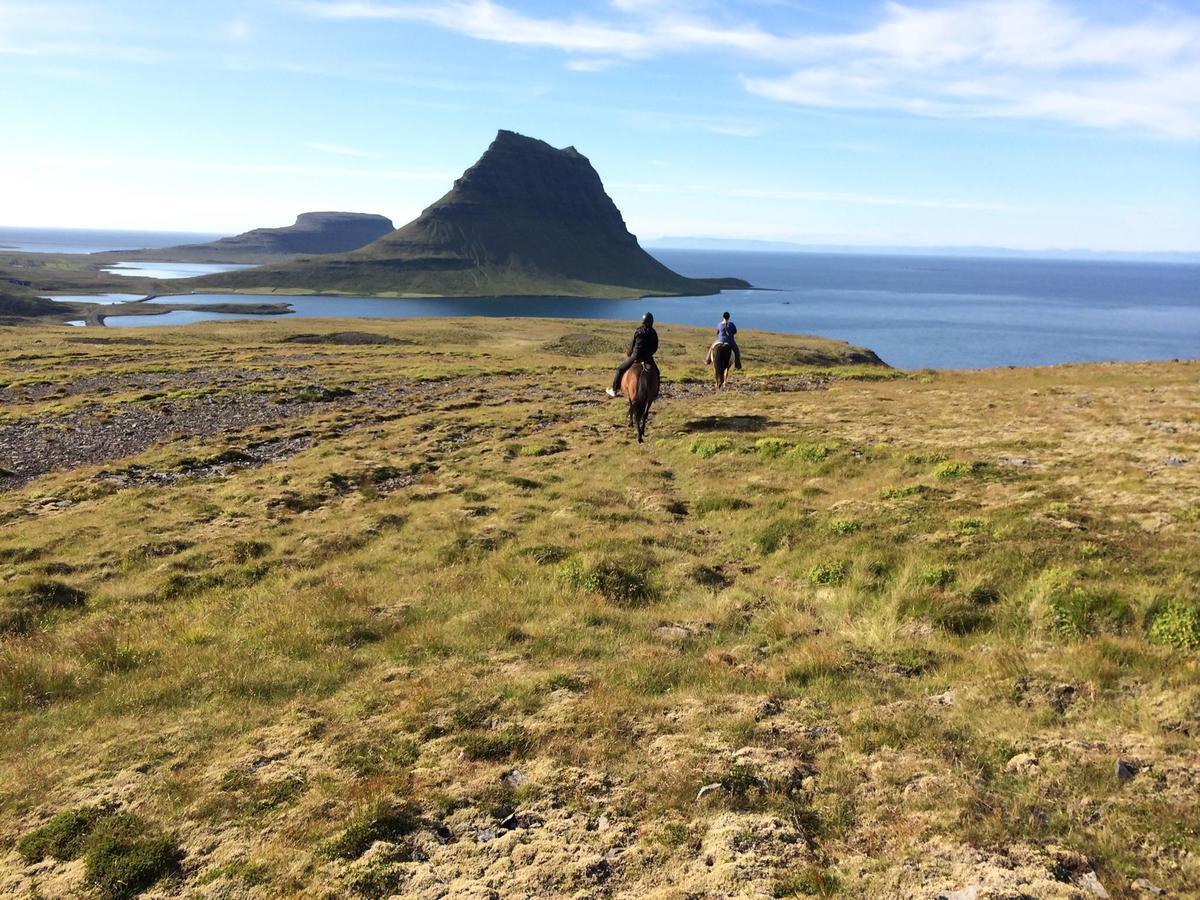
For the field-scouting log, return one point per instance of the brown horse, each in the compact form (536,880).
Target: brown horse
(722,357)
(639,384)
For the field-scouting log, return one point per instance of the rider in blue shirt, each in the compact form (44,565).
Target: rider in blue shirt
(725,332)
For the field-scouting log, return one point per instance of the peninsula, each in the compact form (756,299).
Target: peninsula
(312,233)
(526,220)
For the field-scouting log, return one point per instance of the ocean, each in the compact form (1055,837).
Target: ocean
(90,240)
(914,311)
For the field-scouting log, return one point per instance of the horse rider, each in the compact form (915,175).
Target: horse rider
(725,332)
(641,349)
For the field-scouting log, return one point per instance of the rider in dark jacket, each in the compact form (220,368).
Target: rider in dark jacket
(641,349)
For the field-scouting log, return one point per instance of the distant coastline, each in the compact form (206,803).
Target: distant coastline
(732,245)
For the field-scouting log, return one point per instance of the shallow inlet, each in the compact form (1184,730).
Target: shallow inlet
(168,270)
(936,312)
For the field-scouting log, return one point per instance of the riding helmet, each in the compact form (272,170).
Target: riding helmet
(648,319)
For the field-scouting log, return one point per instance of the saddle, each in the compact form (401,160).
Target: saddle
(713,349)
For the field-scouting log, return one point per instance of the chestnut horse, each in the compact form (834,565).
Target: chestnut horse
(722,357)
(639,384)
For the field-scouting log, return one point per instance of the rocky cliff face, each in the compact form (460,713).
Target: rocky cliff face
(525,219)
(312,233)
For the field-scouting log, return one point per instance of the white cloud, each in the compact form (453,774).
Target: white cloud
(490,21)
(1010,59)
(69,30)
(340,150)
(238,29)
(786,196)
(78,163)
(595,64)
(1020,59)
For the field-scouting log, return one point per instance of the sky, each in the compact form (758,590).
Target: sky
(1032,124)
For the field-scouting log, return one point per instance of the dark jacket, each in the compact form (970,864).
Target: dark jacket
(644,344)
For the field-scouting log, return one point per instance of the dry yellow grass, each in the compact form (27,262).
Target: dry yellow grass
(418,617)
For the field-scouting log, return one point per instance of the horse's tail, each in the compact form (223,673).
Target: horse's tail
(643,395)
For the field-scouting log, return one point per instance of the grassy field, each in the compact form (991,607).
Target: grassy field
(287,613)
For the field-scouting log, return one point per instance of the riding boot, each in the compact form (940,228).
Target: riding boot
(620,373)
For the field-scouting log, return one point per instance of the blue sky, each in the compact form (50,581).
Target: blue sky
(1020,123)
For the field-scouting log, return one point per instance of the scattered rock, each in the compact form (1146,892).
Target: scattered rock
(1142,886)
(970,892)
(514,778)
(944,699)
(1175,461)
(673,632)
(767,708)
(1022,764)
(1125,769)
(1090,883)
(1014,461)
(707,789)
(486,835)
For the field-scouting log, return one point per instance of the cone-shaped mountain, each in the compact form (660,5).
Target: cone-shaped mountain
(526,219)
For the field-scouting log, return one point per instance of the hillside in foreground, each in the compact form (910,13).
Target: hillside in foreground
(526,219)
(290,609)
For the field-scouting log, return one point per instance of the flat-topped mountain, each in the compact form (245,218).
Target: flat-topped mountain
(313,232)
(526,219)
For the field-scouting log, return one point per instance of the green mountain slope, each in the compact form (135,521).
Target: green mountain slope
(525,219)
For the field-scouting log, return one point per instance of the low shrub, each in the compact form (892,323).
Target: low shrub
(771,448)
(843,527)
(1076,612)
(707,505)
(776,535)
(810,882)
(814,452)
(496,745)
(125,856)
(545,554)
(620,581)
(558,445)
(61,838)
(959,469)
(905,490)
(1177,626)
(522,483)
(828,573)
(28,605)
(385,821)
(937,576)
(707,448)
(983,595)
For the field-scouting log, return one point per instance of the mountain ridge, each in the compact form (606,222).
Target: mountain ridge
(311,233)
(525,219)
